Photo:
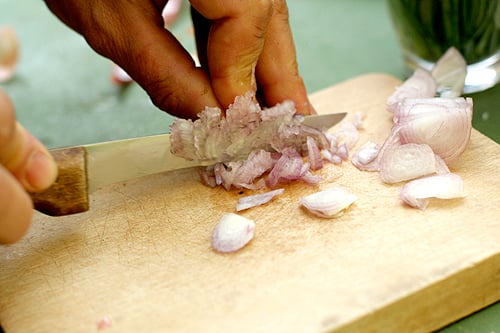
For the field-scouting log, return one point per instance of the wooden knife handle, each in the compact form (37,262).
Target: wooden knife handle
(69,194)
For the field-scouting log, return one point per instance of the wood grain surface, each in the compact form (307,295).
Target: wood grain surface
(141,255)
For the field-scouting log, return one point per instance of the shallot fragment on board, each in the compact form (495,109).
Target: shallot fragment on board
(417,192)
(232,233)
(329,203)
(257,199)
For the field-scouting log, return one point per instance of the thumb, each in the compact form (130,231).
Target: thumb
(22,154)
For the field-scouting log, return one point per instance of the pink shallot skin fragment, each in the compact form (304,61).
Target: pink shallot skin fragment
(103,323)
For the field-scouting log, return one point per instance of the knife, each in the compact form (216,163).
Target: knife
(84,169)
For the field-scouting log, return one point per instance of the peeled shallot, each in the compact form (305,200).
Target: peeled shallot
(232,233)
(9,52)
(328,203)
(417,192)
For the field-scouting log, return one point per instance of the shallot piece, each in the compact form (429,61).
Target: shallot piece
(406,162)
(420,85)
(329,203)
(365,158)
(417,192)
(171,12)
(445,124)
(257,199)
(9,52)
(119,76)
(449,72)
(232,233)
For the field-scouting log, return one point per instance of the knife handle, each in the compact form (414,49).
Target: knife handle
(69,194)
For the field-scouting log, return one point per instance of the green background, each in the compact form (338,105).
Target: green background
(63,93)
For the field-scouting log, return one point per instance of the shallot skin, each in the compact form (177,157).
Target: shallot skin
(232,233)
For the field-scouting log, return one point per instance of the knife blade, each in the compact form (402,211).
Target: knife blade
(84,169)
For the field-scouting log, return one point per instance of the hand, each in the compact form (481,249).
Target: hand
(242,45)
(25,165)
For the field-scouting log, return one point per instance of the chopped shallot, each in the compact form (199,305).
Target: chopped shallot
(417,192)
(232,233)
(9,52)
(329,203)
(250,142)
(257,199)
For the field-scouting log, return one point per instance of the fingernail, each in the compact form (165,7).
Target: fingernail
(41,171)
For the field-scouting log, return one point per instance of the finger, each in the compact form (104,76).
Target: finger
(235,42)
(16,209)
(22,154)
(277,71)
(131,33)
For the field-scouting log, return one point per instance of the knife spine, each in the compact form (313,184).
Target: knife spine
(69,194)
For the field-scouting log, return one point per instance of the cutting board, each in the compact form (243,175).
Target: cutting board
(141,259)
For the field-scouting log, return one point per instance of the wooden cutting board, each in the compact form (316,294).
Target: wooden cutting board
(141,257)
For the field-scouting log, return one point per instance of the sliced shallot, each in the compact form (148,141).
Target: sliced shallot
(406,162)
(232,233)
(420,85)
(417,192)
(444,124)
(328,203)
(449,72)
(257,199)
